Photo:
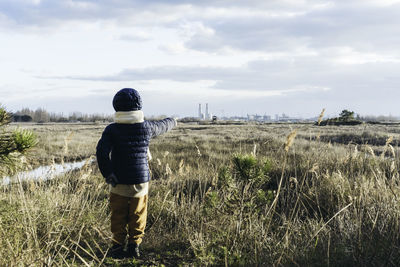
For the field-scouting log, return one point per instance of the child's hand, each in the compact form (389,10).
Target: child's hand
(112,180)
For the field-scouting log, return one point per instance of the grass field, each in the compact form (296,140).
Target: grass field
(220,195)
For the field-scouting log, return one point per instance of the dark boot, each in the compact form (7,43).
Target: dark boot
(117,252)
(133,250)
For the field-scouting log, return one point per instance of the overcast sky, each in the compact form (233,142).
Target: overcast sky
(241,57)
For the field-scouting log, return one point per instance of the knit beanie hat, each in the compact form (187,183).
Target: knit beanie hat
(127,99)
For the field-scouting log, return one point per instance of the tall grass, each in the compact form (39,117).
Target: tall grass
(56,222)
(216,200)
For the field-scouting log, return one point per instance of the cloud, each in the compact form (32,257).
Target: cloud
(252,94)
(173,73)
(307,68)
(362,27)
(137,36)
(174,48)
(264,78)
(214,26)
(262,49)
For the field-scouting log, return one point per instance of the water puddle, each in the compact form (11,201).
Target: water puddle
(45,172)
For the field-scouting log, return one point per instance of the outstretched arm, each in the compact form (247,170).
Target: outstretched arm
(162,126)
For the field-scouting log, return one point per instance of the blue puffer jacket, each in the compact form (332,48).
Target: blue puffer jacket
(128,144)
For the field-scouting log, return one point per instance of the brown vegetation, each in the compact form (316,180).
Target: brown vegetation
(220,195)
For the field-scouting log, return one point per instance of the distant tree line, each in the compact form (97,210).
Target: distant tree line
(347,117)
(40,115)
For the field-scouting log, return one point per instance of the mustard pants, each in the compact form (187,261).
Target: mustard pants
(128,217)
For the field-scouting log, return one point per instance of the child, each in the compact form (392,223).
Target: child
(127,169)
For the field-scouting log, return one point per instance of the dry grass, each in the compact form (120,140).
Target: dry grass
(62,142)
(221,195)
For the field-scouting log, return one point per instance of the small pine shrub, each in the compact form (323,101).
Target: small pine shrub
(249,168)
(224,177)
(12,144)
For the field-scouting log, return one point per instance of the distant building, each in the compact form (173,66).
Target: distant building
(284,117)
(200,112)
(257,117)
(21,118)
(206,115)
(267,118)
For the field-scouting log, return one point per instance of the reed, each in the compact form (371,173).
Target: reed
(221,195)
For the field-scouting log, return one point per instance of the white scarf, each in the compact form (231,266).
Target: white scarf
(129,117)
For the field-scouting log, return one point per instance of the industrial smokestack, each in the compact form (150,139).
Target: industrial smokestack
(200,113)
(207,114)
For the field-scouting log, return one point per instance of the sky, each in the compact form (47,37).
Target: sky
(242,57)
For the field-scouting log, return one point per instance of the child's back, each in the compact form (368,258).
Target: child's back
(127,170)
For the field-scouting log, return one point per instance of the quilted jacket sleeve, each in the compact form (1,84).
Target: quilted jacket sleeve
(103,149)
(161,126)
